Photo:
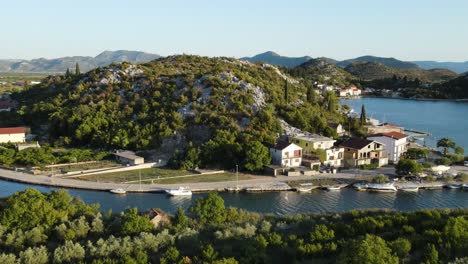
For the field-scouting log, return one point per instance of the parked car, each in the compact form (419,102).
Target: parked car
(465,163)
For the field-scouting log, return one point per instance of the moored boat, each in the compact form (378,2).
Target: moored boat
(453,186)
(361,186)
(118,191)
(409,189)
(333,188)
(304,189)
(381,187)
(465,186)
(179,192)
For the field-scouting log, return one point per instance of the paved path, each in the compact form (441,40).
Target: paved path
(264,182)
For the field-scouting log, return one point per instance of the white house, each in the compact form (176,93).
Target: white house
(286,154)
(395,144)
(334,157)
(12,135)
(128,157)
(310,142)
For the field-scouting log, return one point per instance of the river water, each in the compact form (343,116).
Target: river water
(440,118)
(280,203)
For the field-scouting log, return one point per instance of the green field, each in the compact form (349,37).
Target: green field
(11,77)
(205,178)
(146,174)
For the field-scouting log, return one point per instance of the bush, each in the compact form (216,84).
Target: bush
(371,166)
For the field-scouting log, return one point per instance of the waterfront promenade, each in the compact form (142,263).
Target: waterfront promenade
(266,183)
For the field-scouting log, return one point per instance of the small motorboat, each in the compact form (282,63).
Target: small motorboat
(179,192)
(465,186)
(333,188)
(409,189)
(361,186)
(382,187)
(118,191)
(453,186)
(306,184)
(304,189)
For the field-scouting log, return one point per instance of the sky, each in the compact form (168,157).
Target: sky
(407,30)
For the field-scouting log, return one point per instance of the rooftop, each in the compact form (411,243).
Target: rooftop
(283,144)
(127,154)
(312,138)
(356,143)
(393,134)
(12,130)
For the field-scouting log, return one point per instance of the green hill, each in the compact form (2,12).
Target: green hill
(276,59)
(377,70)
(220,105)
(390,62)
(323,71)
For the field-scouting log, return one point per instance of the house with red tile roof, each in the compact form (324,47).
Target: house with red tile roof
(12,135)
(358,151)
(395,144)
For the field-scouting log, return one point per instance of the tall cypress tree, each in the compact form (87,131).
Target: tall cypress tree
(77,69)
(363,117)
(67,73)
(311,98)
(286,88)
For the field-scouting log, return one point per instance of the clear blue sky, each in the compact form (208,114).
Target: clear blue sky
(409,30)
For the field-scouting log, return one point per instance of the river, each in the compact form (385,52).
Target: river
(279,203)
(440,118)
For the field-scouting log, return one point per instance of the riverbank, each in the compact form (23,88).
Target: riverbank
(415,99)
(256,184)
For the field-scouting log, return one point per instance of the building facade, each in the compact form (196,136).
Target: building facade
(395,144)
(286,155)
(128,158)
(359,151)
(12,135)
(334,157)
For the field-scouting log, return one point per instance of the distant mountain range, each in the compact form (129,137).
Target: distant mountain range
(271,57)
(86,62)
(458,67)
(290,62)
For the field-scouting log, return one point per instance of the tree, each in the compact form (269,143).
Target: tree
(446,143)
(171,255)
(208,253)
(67,73)
(408,167)
(210,210)
(369,250)
(401,247)
(456,235)
(77,69)
(459,150)
(416,153)
(132,223)
(431,255)
(256,156)
(380,179)
(363,118)
(311,95)
(69,253)
(180,219)
(286,91)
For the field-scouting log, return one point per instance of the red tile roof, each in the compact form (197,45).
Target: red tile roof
(393,134)
(12,130)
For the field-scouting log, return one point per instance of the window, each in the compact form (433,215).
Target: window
(296,160)
(307,144)
(368,146)
(340,155)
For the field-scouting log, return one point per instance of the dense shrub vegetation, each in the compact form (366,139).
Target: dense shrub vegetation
(46,228)
(222,109)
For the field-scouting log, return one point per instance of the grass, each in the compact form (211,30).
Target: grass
(205,178)
(11,77)
(146,174)
(89,166)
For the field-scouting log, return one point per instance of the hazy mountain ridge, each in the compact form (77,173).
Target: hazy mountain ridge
(390,62)
(458,67)
(86,62)
(377,70)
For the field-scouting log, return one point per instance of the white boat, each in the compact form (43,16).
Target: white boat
(179,192)
(381,187)
(409,188)
(306,184)
(333,188)
(304,189)
(465,186)
(453,186)
(118,191)
(233,189)
(361,186)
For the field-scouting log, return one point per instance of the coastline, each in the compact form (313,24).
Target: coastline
(463,100)
(259,184)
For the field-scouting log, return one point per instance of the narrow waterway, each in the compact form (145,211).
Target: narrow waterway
(279,203)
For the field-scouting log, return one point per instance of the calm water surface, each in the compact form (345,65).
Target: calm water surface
(279,203)
(440,118)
